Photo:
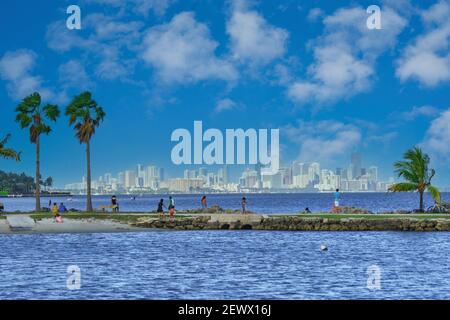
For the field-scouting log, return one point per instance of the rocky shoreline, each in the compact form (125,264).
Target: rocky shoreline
(297,223)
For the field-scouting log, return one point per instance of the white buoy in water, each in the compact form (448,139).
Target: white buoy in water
(323,247)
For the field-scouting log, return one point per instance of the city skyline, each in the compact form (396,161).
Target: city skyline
(315,71)
(298,176)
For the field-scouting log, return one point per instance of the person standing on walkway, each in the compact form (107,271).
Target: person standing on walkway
(171,208)
(160,209)
(203,201)
(337,196)
(244,204)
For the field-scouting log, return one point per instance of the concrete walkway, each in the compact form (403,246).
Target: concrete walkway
(20,222)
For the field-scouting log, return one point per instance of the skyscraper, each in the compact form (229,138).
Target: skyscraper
(225,174)
(357,163)
(373,173)
(130,179)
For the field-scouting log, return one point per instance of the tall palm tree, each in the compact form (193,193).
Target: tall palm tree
(414,169)
(85,116)
(8,153)
(31,114)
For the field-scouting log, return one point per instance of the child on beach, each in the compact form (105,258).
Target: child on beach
(58,218)
(244,204)
(337,196)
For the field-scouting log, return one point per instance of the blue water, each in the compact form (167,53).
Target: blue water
(259,203)
(226,265)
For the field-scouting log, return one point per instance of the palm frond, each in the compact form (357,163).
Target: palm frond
(403,187)
(435,193)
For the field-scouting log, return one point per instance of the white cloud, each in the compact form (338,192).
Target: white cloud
(253,39)
(345,56)
(323,140)
(428,59)
(104,42)
(225,105)
(383,138)
(422,111)
(437,137)
(183,51)
(72,74)
(314,14)
(16,69)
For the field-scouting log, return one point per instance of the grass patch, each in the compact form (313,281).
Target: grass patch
(2,217)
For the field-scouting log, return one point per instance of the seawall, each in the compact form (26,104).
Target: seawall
(297,223)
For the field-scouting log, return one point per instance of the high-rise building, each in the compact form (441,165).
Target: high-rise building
(121,178)
(140,171)
(351,172)
(203,171)
(107,178)
(373,173)
(130,179)
(225,174)
(356,161)
(314,172)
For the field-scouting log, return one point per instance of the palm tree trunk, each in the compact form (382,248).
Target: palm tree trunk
(88,181)
(421,201)
(38,175)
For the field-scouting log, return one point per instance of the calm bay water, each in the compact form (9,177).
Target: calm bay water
(226,265)
(259,203)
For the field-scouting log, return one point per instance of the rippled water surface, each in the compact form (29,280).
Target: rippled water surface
(226,265)
(260,203)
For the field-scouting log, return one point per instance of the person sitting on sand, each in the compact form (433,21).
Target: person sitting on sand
(58,218)
(307,210)
(244,204)
(62,208)
(55,209)
(203,201)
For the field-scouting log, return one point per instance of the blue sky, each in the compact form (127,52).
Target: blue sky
(312,69)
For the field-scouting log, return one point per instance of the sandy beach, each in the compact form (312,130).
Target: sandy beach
(71,226)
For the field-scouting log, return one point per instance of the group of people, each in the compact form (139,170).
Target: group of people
(170,207)
(335,208)
(57,210)
(203,202)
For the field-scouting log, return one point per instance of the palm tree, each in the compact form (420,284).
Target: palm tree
(85,116)
(30,114)
(8,153)
(415,171)
(48,182)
